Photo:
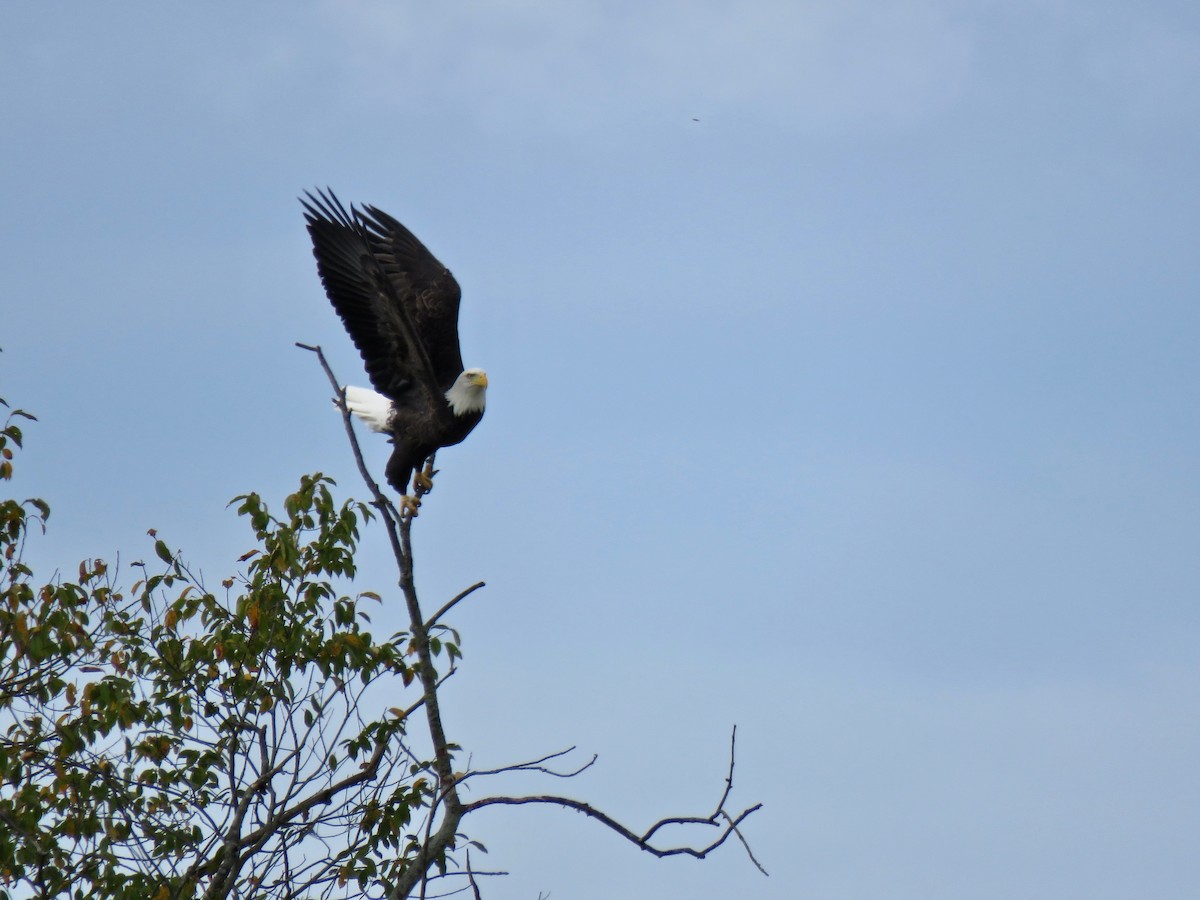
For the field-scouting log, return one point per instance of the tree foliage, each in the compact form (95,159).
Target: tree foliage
(173,741)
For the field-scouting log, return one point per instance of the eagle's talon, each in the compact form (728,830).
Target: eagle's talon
(423,481)
(409,506)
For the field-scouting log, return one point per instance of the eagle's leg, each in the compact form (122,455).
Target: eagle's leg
(409,506)
(423,481)
(423,477)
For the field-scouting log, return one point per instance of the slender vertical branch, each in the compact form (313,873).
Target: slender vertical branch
(386,507)
(399,531)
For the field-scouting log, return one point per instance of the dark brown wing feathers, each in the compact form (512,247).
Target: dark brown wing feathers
(398,303)
(431,294)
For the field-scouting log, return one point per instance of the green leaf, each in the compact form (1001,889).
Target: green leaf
(163,551)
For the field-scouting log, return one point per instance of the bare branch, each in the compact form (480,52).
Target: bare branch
(535,765)
(381,501)
(449,606)
(750,853)
(471,876)
(711,820)
(641,841)
(399,526)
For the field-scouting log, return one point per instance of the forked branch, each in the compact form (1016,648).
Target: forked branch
(643,840)
(535,765)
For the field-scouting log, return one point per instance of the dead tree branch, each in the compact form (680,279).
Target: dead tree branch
(452,603)
(398,528)
(746,844)
(535,765)
(643,840)
(385,506)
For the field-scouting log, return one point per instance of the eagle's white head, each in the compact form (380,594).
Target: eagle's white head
(468,393)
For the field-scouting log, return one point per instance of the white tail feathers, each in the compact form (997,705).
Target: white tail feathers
(375,410)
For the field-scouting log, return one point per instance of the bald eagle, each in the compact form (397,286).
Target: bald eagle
(400,307)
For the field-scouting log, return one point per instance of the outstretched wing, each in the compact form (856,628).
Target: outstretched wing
(428,291)
(371,303)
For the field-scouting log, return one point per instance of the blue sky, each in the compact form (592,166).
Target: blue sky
(844,386)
